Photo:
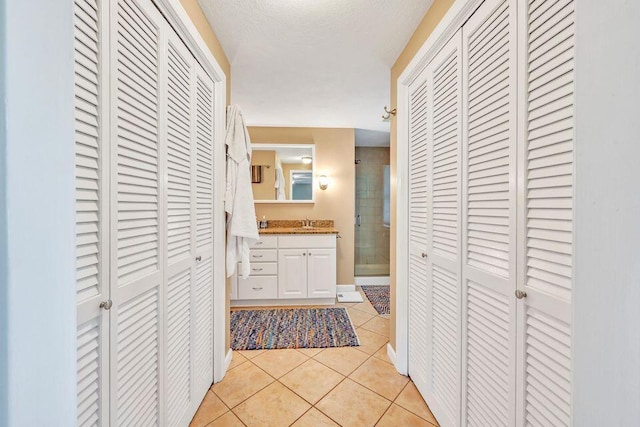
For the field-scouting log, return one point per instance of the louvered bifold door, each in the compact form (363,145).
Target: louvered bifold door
(204,102)
(546,220)
(179,132)
(489,215)
(418,287)
(136,215)
(92,206)
(444,80)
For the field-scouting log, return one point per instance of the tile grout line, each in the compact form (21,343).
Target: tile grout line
(409,410)
(340,382)
(231,408)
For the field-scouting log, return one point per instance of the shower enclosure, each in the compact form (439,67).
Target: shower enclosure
(372,212)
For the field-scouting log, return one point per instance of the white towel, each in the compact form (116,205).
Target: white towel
(242,230)
(280,184)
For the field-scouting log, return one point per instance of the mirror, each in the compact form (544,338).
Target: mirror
(283,173)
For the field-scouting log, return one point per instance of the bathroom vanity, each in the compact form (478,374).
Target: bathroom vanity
(290,265)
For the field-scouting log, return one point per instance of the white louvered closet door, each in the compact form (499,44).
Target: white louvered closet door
(92,227)
(418,288)
(204,103)
(489,215)
(179,131)
(136,215)
(444,81)
(546,225)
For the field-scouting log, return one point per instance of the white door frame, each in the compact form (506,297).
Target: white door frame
(177,17)
(458,13)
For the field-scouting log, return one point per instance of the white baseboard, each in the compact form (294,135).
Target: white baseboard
(373,281)
(391,354)
(282,302)
(345,288)
(227,360)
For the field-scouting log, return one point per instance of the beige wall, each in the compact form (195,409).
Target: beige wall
(286,171)
(266,189)
(430,20)
(206,32)
(335,156)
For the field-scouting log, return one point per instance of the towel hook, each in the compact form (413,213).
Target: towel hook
(389,113)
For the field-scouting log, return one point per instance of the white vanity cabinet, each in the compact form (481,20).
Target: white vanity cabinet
(292,273)
(289,269)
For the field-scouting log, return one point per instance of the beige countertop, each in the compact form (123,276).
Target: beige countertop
(298,230)
(287,226)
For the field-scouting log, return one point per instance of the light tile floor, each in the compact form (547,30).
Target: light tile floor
(345,386)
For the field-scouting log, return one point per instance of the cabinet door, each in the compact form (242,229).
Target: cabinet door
(488,215)
(321,277)
(546,221)
(137,342)
(92,208)
(292,273)
(444,78)
(179,205)
(204,181)
(418,333)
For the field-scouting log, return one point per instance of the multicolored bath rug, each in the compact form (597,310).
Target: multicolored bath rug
(292,328)
(379,297)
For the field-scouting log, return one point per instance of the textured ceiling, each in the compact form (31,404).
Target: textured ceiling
(322,63)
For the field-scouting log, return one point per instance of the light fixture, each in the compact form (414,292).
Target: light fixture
(323,182)
(307,160)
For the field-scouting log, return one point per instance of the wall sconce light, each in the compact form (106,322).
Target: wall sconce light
(323,182)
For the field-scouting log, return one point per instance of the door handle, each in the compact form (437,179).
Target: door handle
(199,258)
(358,220)
(106,304)
(424,255)
(520,294)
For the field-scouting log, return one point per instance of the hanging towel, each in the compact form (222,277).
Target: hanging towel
(242,230)
(280,183)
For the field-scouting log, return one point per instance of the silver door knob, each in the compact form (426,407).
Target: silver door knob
(520,294)
(424,255)
(106,304)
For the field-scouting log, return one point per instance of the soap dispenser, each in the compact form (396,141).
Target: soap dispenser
(263,222)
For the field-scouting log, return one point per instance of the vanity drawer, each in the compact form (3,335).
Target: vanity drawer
(263,255)
(266,242)
(261,268)
(258,287)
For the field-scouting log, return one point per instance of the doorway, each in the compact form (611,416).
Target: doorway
(372,212)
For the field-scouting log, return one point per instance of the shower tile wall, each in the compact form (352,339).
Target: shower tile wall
(372,236)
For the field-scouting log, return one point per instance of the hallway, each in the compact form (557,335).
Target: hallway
(348,386)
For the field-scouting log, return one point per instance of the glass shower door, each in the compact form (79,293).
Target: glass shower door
(372,212)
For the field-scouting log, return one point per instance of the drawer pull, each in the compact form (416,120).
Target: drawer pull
(257,256)
(257,289)
(258,243)
(257,269)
